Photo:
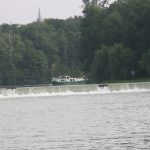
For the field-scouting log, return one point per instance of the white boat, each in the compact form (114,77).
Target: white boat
(67,80)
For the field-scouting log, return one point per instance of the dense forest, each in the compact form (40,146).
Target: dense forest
(33,53)
(109,42)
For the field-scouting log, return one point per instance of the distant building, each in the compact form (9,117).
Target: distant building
(39,18)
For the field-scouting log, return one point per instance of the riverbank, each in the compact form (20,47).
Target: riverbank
(127,81)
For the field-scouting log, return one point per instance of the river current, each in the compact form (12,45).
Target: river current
(113,121)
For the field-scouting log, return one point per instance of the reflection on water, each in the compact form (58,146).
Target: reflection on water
(79,122)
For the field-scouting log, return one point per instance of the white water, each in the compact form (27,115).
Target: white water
(75,90)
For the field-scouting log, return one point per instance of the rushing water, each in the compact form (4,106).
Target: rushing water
(114,121)
(73,89)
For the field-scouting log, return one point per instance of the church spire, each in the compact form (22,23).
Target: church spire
(39,18)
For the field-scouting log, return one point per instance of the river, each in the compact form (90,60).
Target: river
(109,121)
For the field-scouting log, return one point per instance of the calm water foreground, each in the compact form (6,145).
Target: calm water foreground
(118,121)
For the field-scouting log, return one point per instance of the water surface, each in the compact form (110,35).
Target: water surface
(117,121)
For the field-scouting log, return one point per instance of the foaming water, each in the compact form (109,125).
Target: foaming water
(75,90)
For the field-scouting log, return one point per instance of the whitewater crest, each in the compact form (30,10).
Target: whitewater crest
(74,89)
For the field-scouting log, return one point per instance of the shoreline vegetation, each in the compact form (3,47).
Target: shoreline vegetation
(102,84)
(108,44)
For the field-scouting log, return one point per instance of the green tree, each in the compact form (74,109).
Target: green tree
(101,3)
(34,66)
(145,62)
(112,63)
(91,38)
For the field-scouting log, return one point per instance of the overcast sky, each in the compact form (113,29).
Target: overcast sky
(26,11)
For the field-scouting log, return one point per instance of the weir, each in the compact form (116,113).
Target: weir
(74,89)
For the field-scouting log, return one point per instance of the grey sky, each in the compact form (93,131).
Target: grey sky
(25,11)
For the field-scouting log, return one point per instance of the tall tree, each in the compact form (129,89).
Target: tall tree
(91,38)
(101,3)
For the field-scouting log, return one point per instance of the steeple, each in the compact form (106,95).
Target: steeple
(39,18)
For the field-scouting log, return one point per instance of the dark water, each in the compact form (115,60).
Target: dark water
(119,121)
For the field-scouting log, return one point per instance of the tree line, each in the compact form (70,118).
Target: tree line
(109,42)
(33,53)
(115,39)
